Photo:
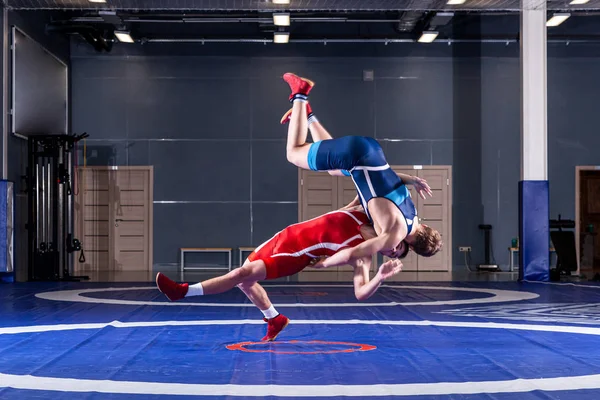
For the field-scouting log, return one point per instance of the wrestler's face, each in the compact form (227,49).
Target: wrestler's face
(396,252)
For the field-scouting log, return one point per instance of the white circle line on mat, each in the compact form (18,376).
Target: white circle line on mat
(497,296)
(29,382)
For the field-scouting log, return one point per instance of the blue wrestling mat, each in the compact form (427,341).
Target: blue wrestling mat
(409,341)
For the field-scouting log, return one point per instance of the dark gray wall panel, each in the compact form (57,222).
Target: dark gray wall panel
(138,152)
(413,109)
(201,171)
(442,152)
(106,152)
(198,225)
(269,101)
(459,111)
(99,106)
(407,152)
(345,106)
(189,108)
(501,150)
(268,219)
(273,178)
(573,120)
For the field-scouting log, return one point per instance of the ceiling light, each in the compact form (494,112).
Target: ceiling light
(428,37)
(281,1)
(124,37)
(281,37)
(97,1)
(575,2)
(281,19)
(456,2)
(557,19)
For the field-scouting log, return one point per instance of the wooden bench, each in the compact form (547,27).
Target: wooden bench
(204,250)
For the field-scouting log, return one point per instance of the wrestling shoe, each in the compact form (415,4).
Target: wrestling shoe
(286,117)
(275,326)
(298,85)
(171,289)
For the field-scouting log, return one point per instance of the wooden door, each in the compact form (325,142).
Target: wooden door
(590,209)
(92,219)
(131,219)
(346,191)
(318,194)
(113,218)
(435,211)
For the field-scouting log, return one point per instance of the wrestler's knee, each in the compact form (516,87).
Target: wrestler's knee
(243,273)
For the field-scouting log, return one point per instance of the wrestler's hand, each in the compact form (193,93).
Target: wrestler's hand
(317,262)
(390,268)
(422,187)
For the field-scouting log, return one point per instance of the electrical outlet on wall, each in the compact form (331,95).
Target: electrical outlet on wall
(464,249)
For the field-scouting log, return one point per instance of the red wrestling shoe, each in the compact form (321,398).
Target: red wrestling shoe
(173,290)
(298,85)
(275,326)
(286,117)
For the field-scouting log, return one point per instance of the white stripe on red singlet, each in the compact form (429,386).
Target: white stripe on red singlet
(330,246)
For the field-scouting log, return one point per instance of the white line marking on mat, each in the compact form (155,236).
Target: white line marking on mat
(498,296)
(402,389)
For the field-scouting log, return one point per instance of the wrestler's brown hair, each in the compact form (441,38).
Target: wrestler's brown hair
(427,242)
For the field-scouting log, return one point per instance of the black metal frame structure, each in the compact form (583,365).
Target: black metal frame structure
(51,243)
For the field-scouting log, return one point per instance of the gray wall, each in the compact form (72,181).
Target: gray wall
(209,125)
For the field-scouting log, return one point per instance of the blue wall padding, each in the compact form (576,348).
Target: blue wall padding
(3,225)
(534,231)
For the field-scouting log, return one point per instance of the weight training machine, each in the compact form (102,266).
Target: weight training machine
(51,243)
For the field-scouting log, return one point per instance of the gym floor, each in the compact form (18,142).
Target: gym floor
(478,340)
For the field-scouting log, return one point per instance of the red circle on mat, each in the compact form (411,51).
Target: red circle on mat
(353,347)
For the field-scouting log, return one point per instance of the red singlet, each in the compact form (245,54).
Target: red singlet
(292,249)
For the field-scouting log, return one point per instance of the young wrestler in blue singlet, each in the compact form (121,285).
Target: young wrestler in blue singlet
(382,192)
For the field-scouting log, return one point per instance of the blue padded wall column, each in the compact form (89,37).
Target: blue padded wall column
(534,258)
(6,231)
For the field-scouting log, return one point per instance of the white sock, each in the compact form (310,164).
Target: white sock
(271,312)
(312,119)
(302,98)
(195,290)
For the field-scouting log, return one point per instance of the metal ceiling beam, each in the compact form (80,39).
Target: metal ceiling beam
(304,5)
(361,40)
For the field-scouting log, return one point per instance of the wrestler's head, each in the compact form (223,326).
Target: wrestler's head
(426,241)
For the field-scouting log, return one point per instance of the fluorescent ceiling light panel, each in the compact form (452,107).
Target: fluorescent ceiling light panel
(281,37)
(456,2)
(281,1)
(576,2)
(428,37)
(281,19)
(123,37)
(97,1)
(557,19)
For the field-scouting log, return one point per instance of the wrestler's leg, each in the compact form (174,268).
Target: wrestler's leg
(297,149)
(250,272)
(258,296)
(325,155)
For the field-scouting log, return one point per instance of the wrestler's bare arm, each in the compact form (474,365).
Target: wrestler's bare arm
(365,287)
